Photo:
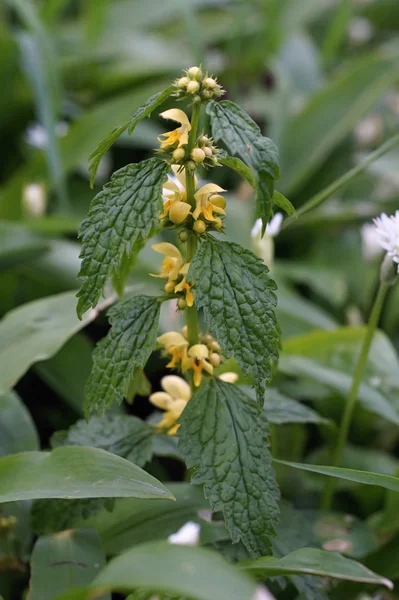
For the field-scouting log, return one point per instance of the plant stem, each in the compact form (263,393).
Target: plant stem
(191,312)
(353,393)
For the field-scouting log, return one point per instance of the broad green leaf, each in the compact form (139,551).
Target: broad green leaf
(51,515)
(128,344)
(19,245)
(17,430)
(36,331)
(283,203)
(126,436)
(312,561)
(242,136)
(385,481)
(280,409)
(63,561)
(74,472)
(225,439)
(239,167)
(144,110)
(330,357)
(175,570)
(125,212)
(232,286)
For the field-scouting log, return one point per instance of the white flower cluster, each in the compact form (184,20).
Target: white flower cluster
(387,230)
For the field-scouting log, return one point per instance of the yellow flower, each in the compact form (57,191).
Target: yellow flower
(204,204)
(183,286)
(174,192)
(229,377)
(197,360)
(175,345)
(178,137)
(172,400)
(172,263)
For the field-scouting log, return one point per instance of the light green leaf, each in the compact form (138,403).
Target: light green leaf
(128,345)
(330,357)
(126,436)
(239,167)
(225,440)
(144,110)
(35,331)
(385,481)
(17,429)
(125,212)
(19,245)
(232,286)
(242,136)
(74,472)
(280,409)
(63,561)
(283,203)
(175,570)
(312,561)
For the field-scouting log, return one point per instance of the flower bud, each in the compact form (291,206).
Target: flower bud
(183,235)
(183,82)
(198,155)
(214,359)
(169,287)
(218,200)
(195,72)
(208,151)
(191,166)
(207,94)
(181,303)
(193,87)
(210,82)
(218,223)
(199,227)
(216,345)
(178,212)
(178,154)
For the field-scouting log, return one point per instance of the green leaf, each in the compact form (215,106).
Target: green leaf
(174,570)
(385,481)
(232,286)
(128,345)
(74,472)
(312,561)
(51,515)
(35,331)
(242,136)
(144,110)
(280,409)
(19,245)
(123,214)
(239,167)
(225,439)
(17,429)
(283,203)
(126,436)
(63,561)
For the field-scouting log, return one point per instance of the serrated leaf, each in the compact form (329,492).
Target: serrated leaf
(242,136)
(128,344)
(124,213)
(143,111)
(124,435)
(225,440)
(283,203)
(232,286)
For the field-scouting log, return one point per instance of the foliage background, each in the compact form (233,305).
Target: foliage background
(321,78)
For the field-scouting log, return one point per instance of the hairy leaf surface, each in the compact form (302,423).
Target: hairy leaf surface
(232,286)
(124,213)
(128,344)
(225,440)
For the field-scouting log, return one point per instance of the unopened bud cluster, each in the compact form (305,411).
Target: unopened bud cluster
(197,86)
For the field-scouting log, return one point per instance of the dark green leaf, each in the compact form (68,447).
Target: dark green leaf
(128,344)
(283,203)
(242,136)
(63,561)
(312,561)
(225,439)
(51,515)
(143,111)
(280,409)
(124,435)
(232,286)
(74,472)
(124,213)
(239,167)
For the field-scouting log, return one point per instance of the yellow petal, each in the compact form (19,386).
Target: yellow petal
(208,188)
(176,387)
(175,114)
(162,400)
(184,269)
(172,186)
(229,377)
(168,250)
(172,338)
(199,351)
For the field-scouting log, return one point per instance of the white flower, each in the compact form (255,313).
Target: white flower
(34,199)
(262,593)
(188,535)
(369,130)
(371,247)
(37,136)
(387,229)
(272,228)
(360,31)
